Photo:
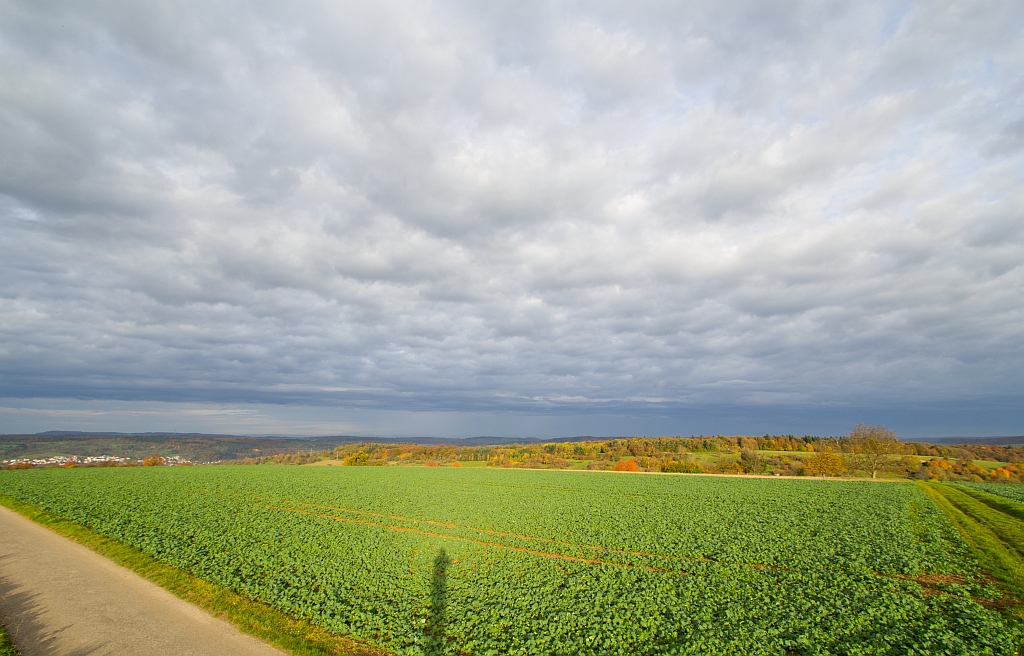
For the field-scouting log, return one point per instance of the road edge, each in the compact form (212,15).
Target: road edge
(255,618)
(6,647)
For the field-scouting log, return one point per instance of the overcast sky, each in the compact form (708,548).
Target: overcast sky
(512,218)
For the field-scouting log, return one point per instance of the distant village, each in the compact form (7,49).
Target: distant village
(91,461)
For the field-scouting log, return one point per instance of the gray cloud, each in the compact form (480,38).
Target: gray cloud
(528,208)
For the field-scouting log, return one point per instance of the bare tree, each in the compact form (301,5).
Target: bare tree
(875,447)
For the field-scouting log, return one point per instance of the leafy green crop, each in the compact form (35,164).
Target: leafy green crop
(1005,490)
(453,561)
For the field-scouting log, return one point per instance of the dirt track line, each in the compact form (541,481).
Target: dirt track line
(924,580)
(534,552)
(487,531)
(400,518)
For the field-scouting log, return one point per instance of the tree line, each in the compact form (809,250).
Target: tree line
(866,451)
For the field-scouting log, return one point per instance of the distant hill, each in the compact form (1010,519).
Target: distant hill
(193,447)
(463,441)
(199,447)
(1006,440)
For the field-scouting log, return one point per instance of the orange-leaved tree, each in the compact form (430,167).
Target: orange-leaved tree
(626,465)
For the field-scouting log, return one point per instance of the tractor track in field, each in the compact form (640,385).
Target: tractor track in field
(992,532)
(927,581)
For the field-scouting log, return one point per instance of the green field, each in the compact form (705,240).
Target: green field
(1014,492)
(484,561)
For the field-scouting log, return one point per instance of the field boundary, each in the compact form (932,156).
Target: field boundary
(989,534)
(258,619)
(337,463)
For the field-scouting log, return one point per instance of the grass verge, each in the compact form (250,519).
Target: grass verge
(255,618)
(6,648)
(992,536)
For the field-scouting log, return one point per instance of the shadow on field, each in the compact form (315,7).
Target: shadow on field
(436,621)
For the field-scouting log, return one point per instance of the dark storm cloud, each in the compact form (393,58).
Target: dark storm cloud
(477,207)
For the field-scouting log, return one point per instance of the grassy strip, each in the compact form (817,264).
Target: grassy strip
(1007,528)
(255,618)
(6,648)
(980,526)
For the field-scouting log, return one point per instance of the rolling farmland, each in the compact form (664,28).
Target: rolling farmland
(450,561)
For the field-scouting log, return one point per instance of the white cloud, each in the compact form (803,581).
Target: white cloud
(466,209)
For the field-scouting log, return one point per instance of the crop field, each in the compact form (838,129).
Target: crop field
(486,561)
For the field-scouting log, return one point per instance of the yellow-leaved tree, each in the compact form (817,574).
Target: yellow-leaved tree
(824,463)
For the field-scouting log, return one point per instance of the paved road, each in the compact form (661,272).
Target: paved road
(59,598)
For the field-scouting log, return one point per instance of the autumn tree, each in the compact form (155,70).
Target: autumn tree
(357,459)
(681,467)
(874,447)
(751,462)
(824,463)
